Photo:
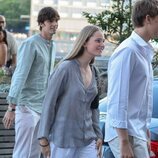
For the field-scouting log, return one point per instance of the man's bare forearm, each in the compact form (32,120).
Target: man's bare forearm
(122,134)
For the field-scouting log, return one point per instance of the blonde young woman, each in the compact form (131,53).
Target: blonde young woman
(3,48)
(69,126)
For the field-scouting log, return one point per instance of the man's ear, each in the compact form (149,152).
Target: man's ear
(41,24)
(148,19)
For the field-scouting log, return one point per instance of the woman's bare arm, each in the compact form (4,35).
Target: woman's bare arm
(3,54)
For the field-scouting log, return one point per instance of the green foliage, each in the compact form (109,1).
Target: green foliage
(116,22)
(1,72)
(13,9)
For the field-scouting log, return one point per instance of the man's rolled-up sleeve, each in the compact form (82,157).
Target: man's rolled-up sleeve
(119,72)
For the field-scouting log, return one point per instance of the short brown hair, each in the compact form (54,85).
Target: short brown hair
(141,9)
(47,13)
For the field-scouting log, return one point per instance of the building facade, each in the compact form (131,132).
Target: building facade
(70,11)
(72,20)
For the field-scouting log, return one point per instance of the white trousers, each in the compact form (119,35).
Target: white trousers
(139,147)
(88,151)
(26,127)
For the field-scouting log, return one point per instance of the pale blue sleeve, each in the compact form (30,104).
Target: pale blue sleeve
(53,55)
(25,58)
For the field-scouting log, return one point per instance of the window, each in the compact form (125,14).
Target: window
(63,2)
(77,3)
(91,4)
(76,15)
(63,15)
(104,2)
(48,2)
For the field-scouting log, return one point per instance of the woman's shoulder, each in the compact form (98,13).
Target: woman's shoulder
(67,64)
(3,43)
(3,46)
(62,68)
(65,67)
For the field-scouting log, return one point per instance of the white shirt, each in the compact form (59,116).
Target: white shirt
(12,45)
(130,88)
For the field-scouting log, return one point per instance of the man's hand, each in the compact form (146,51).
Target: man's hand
(99,143)
(8,119)
(125,145)
(126,149)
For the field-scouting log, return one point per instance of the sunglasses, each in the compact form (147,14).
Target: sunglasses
(2,22)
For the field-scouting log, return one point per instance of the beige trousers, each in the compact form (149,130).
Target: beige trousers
(139,147)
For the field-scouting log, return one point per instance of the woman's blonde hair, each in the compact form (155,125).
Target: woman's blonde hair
(82,38)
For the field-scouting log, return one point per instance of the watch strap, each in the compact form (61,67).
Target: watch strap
(11,109)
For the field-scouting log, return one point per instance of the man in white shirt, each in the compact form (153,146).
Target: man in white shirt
(130,86)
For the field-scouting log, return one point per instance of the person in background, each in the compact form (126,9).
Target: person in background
(12,48)
(69,126)
(3,48)
(36,58)
(130,77)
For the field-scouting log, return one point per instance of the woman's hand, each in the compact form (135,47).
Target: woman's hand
(45,147)
(99,143)
(46,151)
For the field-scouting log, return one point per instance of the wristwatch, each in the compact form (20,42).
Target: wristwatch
(11,109)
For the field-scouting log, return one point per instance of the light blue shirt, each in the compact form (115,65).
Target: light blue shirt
(130,88)
(29,82)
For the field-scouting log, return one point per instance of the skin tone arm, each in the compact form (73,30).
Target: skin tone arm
(99,143)
(14,60)
(3,54)
(125,146)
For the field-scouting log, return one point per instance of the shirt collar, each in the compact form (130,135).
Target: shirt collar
(142,43)
(139,39)
(48,42)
